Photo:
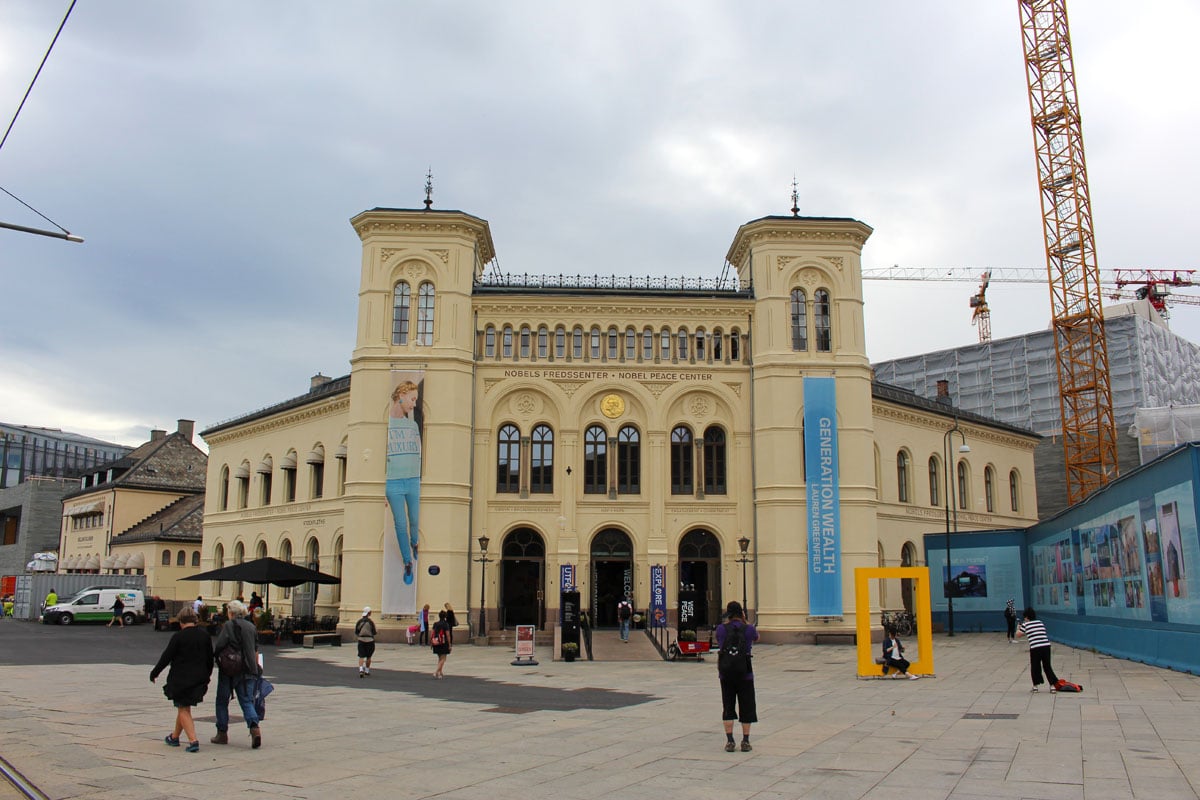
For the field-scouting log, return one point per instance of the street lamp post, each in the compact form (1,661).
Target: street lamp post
(483,561)
(949,498)
(744,547)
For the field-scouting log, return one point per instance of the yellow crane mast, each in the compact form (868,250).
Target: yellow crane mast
(1085,394)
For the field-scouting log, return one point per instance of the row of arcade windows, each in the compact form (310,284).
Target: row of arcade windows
(180,558)
(401,313)
(612,465)
(962,484)
(238,495)
(822,321)
(647,346)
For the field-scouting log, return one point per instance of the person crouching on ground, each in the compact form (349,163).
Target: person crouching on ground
(893,655)
(238,631)
(737,689)
(1034,629)
(364,634)
(190,656)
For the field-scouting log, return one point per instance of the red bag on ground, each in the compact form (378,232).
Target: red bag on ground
(1067,686)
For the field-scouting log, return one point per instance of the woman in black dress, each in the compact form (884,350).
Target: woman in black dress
(190,656)
(440,639)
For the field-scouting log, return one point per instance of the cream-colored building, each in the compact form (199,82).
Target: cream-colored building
(623,428)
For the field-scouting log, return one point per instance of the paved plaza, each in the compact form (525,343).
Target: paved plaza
(80,719)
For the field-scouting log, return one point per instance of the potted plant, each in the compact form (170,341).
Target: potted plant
(569,651)
(687,636)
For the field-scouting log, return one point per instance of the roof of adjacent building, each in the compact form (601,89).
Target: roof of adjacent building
(330,388)
(171,463)
(896,394)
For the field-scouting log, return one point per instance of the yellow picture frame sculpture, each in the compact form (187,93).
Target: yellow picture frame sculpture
(867,667)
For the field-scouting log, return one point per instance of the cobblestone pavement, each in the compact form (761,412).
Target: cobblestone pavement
(92,728)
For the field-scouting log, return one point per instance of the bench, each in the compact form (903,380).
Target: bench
(313,639)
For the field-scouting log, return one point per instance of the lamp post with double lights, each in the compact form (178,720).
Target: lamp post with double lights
(949,498)
(483,561)
(744,559)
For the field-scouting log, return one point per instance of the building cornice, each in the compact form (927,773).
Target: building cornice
(274,422)
(797,230)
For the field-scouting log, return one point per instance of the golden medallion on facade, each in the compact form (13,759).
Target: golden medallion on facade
(612,406)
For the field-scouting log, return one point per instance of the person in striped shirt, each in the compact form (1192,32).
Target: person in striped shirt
(1034,630)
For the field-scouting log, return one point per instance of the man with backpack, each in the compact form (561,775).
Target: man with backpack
(734,638)
(624,615)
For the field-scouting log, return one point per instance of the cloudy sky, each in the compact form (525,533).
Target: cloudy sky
(211,154)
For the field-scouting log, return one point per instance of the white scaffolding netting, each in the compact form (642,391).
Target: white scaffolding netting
(1161,430)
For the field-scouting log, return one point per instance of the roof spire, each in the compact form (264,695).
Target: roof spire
(429,189)
(795,198)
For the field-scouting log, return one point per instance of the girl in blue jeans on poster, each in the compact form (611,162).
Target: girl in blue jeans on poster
(403,488)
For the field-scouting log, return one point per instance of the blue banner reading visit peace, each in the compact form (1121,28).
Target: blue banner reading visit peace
(824,512)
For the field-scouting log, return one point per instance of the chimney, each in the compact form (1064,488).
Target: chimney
(943,392)
(317,380)
(157,436)
(187,427)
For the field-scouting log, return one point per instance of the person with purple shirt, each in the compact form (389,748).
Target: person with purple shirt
(737,692)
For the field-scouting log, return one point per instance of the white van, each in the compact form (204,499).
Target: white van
(92,605)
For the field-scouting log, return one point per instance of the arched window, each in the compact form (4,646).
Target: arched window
(648,345)
(506,342)
(577,343)
(902,476)
(935,481)
(166,558)
(181,559)
(664,345)
(989,489)
(700,349)
(541,460)
(1014,490)
(560,342)
(595,460)
(489,341)
(195,558)
(265,469)
(613,344)
(714,460)
(682,475)
(735,345)
(682,338)
(525,341)
(218,562)
(963,485)
(401,301)
(630,344)
(799,320)
(425,314)
(718,342)
(285,554)
(508,460)
(288,468)
(316,471)
(822,320)
(224,488)
(629,466)
(243,485)
(543,351)
(595,349)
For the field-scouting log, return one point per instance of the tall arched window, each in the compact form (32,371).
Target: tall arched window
(401,302)
(822,320)
(181,559)
(630,344)
(664,345)
(648,345)
(682,470)
(541,460)
(735,345)
(1014,493)
(629,466)
(195,558)
(508,460)
(989,489)
(963,485)
(218,562)
(525,335)
(614,344)
(560,342)
(902,476)
(935,482)
(577,343)
(595,461)
(489,341)
(285,554)
(224,488)
(799,320)
(718,342)
(682,339)
(714,460)
(595,348)
(543,347)
(506,342)
(700,349)
(425,314)
(166,558)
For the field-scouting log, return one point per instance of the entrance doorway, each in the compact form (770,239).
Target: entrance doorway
(522,572)
(700,577)
(612,575)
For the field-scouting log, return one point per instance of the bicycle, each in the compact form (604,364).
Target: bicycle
(902,622)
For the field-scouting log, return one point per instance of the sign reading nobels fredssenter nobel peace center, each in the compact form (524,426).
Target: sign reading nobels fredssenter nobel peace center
(629,432)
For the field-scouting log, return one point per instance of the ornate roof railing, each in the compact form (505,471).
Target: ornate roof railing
(611,283)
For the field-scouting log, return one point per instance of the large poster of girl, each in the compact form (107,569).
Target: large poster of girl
(403,491)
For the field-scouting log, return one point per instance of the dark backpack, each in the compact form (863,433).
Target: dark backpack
(733,659)
(624,612)
(229,660)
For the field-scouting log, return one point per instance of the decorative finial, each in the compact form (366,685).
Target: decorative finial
(429,189)
(795,199)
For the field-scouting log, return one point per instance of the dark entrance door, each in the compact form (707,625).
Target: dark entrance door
(612,575)
(522,570)
(700,576)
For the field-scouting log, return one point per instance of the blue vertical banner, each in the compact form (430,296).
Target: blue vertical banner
(658,596)
(824,510)
(567,577)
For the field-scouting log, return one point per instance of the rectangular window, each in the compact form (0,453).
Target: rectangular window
(289,485)
(317,476)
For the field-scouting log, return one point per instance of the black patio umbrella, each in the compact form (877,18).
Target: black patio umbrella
(264,572)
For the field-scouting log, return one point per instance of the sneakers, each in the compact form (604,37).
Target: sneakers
(362,672)
(730,747)
(367,672)
(193,747)
(408,574)
(222,737)
(912,677)
(1053,690)
(255,738)
(746,748)
(1034,690)
(171,741)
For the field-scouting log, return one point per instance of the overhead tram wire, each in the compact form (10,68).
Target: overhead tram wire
(66,234)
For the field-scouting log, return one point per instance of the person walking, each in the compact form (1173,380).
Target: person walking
(624,615)
(1034,630)
(1010,619)
(238,632)
(51,599)
(440,640)
(423,621)
(893,655)
(118,609)
(189,654)
(736,676)
(364,634)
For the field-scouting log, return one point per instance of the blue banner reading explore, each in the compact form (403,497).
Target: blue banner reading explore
(658,596)
(824,511)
